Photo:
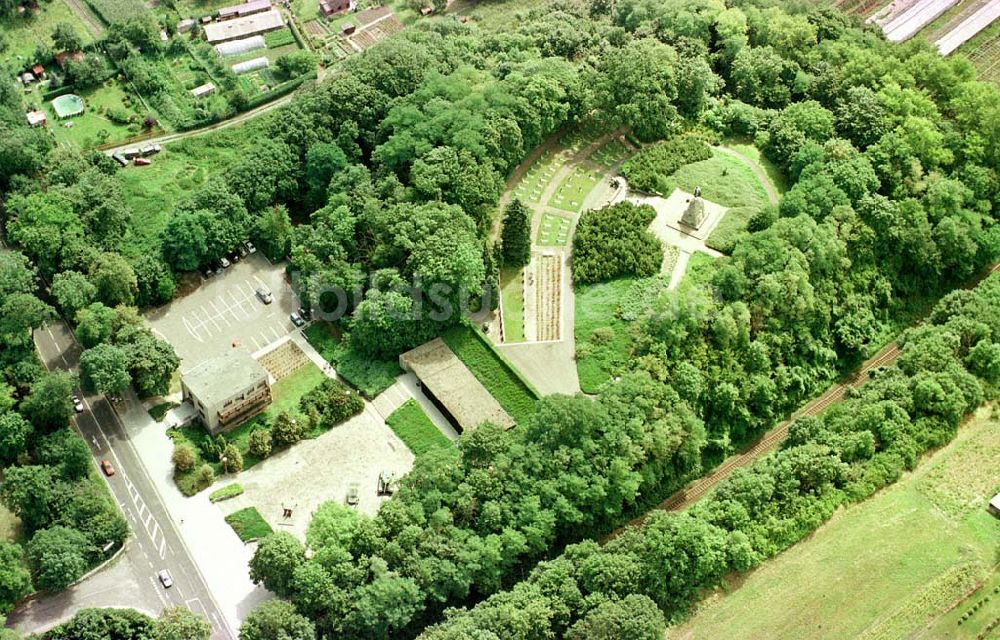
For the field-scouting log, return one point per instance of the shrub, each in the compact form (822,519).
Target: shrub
(232,459)
(259,443)
(183,458)
(333,402)
(226,492)
(286,430)
(646,170)
(614,242)
(206,475)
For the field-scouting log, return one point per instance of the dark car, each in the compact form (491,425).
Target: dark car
(305,313)
(296,319)
(234,257)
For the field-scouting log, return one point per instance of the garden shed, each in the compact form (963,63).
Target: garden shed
(994,506)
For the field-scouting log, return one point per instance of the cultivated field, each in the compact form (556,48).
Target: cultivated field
(903,564)
(24,33)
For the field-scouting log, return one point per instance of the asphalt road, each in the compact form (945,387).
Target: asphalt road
(131,579)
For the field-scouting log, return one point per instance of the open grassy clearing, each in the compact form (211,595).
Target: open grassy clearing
(93,127)
(723,179)
(176,171)
(730,228)
(368,375)
(24,33)
(603,340)
(885,568)
(554,230)
(415,429)
(512,292)
(499,377)
(573,190)
(249,525)
(746,148)
(10,525)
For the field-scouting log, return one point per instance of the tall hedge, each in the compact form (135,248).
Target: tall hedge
(615,242)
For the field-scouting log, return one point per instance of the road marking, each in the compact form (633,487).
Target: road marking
(277,336)
(163,546)
(255,343)
(221,315)
(159,592)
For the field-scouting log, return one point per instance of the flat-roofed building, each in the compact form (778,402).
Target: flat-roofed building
(237,28)
(203,90)
(228,390)
(36,118)
(245,9)
(449,384)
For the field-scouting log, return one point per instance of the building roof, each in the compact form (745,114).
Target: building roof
(36,117)
(451,382)
(62,56)
(243,27)
(995,502)
(216,380)
(253,6)
(203,90)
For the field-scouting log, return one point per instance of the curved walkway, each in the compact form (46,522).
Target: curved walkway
(772,193)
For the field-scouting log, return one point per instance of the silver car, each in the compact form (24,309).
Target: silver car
(165,579)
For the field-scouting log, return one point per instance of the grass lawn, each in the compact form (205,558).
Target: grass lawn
(249,525)
(512,293)
(554,230)
(368,375)
(597,359)
(23,34)
(722,178)
(890,567)
(537,177)
(10,525)
(158,412)
(286,393)
(730,228)
(746,148)
(414,428)
(574,189)
(226,492)
(499,377)
(92,127)
(611,154)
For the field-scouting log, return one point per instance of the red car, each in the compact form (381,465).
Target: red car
(107,468)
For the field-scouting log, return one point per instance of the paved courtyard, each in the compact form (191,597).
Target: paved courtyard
(224,309)
(314,471)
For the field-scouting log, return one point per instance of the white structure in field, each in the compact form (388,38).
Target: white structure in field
(251,65)
(969,27)
(203,90)
(258,23)
(237,47)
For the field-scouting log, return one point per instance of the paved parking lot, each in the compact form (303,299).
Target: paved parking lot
(224,309)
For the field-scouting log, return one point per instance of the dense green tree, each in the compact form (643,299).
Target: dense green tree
(95,324)
(178,623)
(275,561)
(20,313)
(104,369)
(272,233)
(66,451)
(286,429)
(151,360)
(57,557)
(516,236)
(105,624)
(66,38)
(14,434)
(183,457)
(277,620)
(16,274)
(114,278)
(232,459)
(185,241)
(259,443)
(48,404)
(632,617)
(638,86)
(298,63)
(15,581)
(72,291)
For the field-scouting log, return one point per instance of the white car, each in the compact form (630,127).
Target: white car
(250,247)
(165,579)
(77,404)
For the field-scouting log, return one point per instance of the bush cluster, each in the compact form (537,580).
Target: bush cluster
(647,169)
(615,242)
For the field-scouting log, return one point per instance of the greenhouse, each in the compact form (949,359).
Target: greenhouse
(237,47)
(251,65)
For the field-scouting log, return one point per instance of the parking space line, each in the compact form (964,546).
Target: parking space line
(277,336)
(209,316)
(221,315)
(235,306)
(255,343)
(190,329)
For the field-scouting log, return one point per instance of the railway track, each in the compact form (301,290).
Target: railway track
(697,489)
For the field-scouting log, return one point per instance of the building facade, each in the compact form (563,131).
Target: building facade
(227,391)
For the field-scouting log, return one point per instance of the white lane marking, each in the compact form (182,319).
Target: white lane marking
(221,315)
(163,546)
(255,343)
(159,592)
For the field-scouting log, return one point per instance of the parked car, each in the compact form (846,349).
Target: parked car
(77,404)
(224,262)
(107,468)
(250,247)
(305,313)
(114,399)
(165,578)
(296,319)
(207,272)
(352,494)
(234,257)
(265,295)
(242,251)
